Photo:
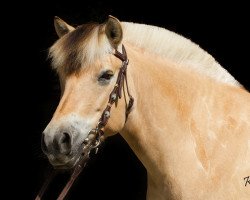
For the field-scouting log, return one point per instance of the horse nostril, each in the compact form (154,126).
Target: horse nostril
(65,138)
(64,143)
(43,144)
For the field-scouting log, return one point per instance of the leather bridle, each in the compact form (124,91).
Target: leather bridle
(95,136)
(117,92)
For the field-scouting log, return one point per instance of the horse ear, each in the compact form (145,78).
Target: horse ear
(113,30)
(62,27)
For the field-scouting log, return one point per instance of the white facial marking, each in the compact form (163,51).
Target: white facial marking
(76,125)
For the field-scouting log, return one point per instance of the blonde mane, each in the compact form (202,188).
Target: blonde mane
(175,48)
(85,44)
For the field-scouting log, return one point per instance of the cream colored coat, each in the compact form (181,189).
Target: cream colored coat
(190,124)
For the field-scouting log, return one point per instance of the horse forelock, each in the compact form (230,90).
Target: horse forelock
(79,48)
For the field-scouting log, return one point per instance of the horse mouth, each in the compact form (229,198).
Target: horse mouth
(68,163)
(60,164)
(79,156)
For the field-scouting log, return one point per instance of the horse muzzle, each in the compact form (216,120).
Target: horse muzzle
(62,142)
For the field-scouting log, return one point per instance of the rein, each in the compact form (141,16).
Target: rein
(95,136)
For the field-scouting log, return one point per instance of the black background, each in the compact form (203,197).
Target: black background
(115,173)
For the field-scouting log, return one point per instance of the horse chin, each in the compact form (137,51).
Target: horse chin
(66,165)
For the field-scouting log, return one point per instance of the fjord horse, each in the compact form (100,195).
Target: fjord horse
(190,121)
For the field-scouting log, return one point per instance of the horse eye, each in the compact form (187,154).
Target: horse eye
(106,76)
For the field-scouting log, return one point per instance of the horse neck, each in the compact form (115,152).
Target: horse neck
(164,97)
(176,120)
(162,100)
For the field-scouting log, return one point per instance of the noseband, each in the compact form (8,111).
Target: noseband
(95,136)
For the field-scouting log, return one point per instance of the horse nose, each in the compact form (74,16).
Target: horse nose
(61,143)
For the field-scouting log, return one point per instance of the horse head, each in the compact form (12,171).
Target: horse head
(88,71)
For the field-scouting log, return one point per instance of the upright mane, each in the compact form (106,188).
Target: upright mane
(85,44)
(176,48)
